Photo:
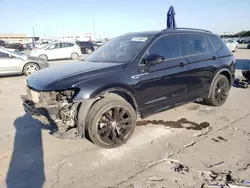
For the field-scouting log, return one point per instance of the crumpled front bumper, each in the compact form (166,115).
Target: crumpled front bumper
(47,114)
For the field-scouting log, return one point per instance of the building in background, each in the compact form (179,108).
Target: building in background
(17,38)
(11,38)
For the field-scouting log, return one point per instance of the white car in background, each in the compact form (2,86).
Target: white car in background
(231,44)
(58,50)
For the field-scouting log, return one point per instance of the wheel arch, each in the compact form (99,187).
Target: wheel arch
(225,72)
(98,95)
(120,90)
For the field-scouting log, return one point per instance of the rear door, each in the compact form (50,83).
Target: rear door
(201,64)
(162,85)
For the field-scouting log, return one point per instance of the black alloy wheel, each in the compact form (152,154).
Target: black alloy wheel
(111,122)
(114,125)
(219,91)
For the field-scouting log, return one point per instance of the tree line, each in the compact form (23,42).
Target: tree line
(240,34)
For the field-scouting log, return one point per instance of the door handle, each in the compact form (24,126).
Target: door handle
(181,64)
(214,58)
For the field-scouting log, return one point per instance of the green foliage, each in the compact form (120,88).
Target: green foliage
(240,34)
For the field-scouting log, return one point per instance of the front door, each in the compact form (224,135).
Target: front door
(161,85)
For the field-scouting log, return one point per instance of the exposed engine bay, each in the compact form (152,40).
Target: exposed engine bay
(52,108)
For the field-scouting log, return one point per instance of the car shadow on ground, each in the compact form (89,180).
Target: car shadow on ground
(26,168)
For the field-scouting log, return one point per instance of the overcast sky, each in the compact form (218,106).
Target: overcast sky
(116,17)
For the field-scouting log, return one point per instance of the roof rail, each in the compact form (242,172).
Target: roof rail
(183,28)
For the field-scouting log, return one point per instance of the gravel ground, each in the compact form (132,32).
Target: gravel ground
(156,155)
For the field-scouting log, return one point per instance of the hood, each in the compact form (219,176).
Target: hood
(66,75)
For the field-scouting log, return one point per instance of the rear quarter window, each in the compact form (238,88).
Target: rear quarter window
(216,43)
(193,44)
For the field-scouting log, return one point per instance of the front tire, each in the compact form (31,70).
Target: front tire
(74,56)
(30,68)
(111,122)
(219,91)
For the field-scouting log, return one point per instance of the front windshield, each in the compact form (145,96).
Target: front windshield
(120,49)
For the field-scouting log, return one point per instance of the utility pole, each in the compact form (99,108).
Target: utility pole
(33,31)
(94,29)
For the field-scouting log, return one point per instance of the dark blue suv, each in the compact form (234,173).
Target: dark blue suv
(135,74)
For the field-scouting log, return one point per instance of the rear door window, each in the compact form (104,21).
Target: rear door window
(65,45)
(216,43)
(193,44)
(167,46)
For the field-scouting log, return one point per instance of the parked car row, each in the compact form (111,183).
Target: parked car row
(244,40)
(39,46)
(16,46)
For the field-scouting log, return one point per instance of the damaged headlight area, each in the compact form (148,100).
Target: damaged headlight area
(53,107)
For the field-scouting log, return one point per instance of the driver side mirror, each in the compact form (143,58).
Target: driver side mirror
(154,59)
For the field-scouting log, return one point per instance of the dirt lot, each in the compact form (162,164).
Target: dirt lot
(156,156)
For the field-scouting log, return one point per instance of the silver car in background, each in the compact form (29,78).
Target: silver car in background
(14,63)
(231,44)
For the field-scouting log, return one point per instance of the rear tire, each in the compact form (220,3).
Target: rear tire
(110,122)
(43,56)
(30,68)
(74,56)
(219,91)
